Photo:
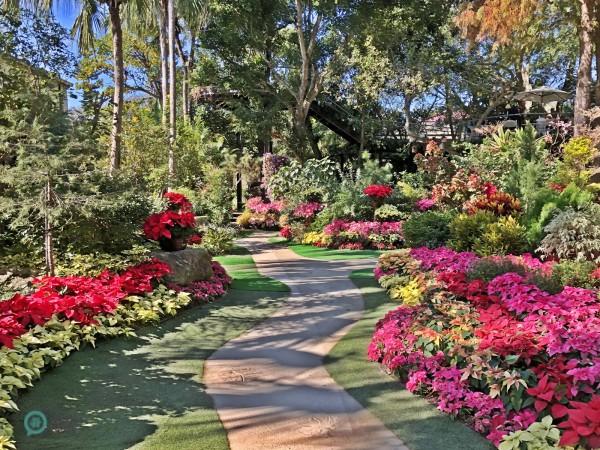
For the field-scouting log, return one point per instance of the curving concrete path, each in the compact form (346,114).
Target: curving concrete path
(269,385)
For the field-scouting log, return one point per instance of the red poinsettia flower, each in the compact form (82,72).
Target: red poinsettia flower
(164,224)
(543,393)
(583,424)
(178,201)
(378,191)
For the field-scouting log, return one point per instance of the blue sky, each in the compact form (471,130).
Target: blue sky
(65,15)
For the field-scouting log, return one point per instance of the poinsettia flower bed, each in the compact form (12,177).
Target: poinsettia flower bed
(39,330)
(75,298)
(500,353)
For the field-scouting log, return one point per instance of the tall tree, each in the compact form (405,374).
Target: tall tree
(87,24)
(171,20)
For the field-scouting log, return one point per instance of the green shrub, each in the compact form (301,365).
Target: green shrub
(94,263)
(548,203)
(465,229)
(429,229)
(487,269)
(217,195)
(573,235)
(218,240)
(577,154)
(575,273)
(504,237)
(386,213)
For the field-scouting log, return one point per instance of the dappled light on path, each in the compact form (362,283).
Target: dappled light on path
(269,385)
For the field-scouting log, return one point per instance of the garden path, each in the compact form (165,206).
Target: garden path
(269,385)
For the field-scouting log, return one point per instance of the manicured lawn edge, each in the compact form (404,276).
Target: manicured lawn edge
(241,267)
(325,254)
(86,399)
(419,424)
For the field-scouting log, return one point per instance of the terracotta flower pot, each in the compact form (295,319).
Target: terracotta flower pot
(173,244)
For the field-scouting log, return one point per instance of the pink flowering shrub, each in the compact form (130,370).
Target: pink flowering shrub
(208,290)
(425,204)
(307,210)
(499,355)
(363,234)
(259,206)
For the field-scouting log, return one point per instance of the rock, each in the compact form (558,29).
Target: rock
(191,264)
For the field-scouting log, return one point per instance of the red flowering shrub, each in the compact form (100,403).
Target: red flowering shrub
(499,354)
(195,239)
(499,203)
(286,232)
(582,424)
(378,191)
(169,224)
(178,202)
(75,298)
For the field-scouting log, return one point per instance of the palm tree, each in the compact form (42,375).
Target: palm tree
(88,23)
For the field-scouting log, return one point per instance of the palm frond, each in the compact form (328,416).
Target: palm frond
(89,23)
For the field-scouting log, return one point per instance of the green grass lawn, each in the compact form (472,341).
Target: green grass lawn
(418,423)
(147,391)
(327,254)
(240,265)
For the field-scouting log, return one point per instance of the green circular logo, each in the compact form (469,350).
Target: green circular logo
(35,422)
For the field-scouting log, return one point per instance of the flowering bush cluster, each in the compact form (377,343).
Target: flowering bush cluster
(378,191)
(259,206)
(176,221)
(207,290)
(500,353)
(168,224)
(499,203)
(177,202)
(75,298)
(260,214)
(355,235)
(307,210)
(425,204)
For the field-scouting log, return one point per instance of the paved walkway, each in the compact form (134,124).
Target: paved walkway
(269,385)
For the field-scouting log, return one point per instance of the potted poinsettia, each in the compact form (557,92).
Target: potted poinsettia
(172,227)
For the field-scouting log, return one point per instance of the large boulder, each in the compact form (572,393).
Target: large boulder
(188,265)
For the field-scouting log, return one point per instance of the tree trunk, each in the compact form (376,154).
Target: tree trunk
(118,81)
(312,140)
(526,82)
(582,93)
(410,134)
(172,92)
(187,62)
(48,239)
(310,79)
(362,131)
(164,59)
(597,54)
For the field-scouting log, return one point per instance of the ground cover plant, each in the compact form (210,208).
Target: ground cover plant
(182,412)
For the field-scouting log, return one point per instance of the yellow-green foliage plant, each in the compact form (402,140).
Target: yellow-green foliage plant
(542,435)
(578,153)
(47,346)
(507,236)
(410,293)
